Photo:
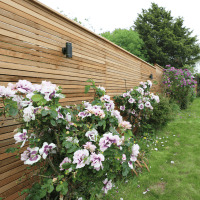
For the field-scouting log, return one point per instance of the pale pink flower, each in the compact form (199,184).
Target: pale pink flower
(24,86)
(96,160)
(149,83)
(110,105)
(81,158)
(6,92)
(46,149)
(89,146)
(135,152)
(105,98)
(101,88)
(123,157)
(125,125)
(130,164)
(107,140)
(108,185)
(141,106)
(30,156)
(116,113)
(140,90)
(92,135)
(28,114)
(21,137)
(148,104)
(131,100)
(122,107)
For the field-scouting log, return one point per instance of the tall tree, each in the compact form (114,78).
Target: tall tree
(128,40)
(166,40)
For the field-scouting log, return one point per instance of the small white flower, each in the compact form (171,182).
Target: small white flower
(161,179)
(121,198)
(156,149)
(172,162)
(145,192)
(174,135)
(162,145)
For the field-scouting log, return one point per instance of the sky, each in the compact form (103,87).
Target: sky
(107,15)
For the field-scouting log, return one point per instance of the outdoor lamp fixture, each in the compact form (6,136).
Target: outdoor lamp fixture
(151,76)
(67,50)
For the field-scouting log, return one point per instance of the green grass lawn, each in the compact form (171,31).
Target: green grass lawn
(174,167)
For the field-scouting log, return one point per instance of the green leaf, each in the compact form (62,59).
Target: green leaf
(53,113)
(125,172)
(36,197)
(44,112)
(64,188)
(128,134)
(59,121)
(72,149)
(43,193)
(113,130)
(25,191)
(43,101)
(66,165)
(101,123)
(58,188)
(50,188)
(87,88)
(13,111)
(10,150)
(53,122)
(37,97)
(68,144)
(111,120)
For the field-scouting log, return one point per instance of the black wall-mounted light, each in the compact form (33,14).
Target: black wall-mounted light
(67,50)
(151,76)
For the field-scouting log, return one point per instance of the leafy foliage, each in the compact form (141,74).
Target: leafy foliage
(163,112)
(128,40)
(166,40)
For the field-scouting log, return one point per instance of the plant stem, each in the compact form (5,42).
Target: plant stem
(58,143)
(53,167)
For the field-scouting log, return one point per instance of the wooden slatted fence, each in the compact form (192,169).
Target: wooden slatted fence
(31,40)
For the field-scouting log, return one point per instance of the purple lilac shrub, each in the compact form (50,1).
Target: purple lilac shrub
(179,85)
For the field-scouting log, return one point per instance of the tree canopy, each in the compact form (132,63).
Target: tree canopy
(166,40)
(128,40)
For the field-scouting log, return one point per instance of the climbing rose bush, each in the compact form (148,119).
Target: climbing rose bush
(137,105)
(79,150)
(179,85)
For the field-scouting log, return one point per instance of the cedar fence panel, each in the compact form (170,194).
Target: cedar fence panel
(31,39)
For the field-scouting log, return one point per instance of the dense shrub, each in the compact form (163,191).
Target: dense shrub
(137,105)
(163,112)
(77,149)
(179,85)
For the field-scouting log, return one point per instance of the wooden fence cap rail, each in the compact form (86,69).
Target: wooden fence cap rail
(82,27)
